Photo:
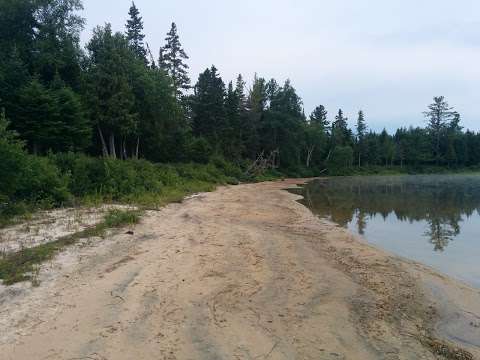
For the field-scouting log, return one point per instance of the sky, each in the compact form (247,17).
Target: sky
(388,58)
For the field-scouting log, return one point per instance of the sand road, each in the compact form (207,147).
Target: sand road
(244,272)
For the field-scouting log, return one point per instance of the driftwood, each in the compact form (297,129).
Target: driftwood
(263,163)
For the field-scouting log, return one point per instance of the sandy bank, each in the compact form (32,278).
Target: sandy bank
(244,272)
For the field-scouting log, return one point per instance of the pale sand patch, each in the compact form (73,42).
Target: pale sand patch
(244,272)
(48,226)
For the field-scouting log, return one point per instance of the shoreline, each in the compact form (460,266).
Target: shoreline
(242,272)
(456,300)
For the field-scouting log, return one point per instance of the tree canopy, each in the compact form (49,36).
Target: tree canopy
(111,99)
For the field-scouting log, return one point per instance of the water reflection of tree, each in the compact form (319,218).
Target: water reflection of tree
(441,201)
(361,222)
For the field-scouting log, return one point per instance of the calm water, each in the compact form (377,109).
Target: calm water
(433,219)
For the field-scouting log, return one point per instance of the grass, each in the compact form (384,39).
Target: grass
(139,183)
(23,265)
(168,194)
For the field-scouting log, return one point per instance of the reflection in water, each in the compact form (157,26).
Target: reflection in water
(441,202)
(431,219)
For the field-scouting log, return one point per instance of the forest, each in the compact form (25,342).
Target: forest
(115,117)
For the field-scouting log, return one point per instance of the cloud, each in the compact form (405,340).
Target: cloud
(387,57)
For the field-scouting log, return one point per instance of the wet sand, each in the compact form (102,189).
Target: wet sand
(244,272)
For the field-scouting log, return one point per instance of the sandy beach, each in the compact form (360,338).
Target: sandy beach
(245,272)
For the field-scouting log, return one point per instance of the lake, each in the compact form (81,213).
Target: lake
(432,219)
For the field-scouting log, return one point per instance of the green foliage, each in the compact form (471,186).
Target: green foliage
(117,218)
(172,57)
(111,101)
(199,150)
(57,179)
(27,179)
(135,34)
(109,91)
(209,117)
(340,161)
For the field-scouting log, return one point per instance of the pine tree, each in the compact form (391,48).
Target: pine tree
(18,27)
(361,132)
(361,126)
(57,41)
(14,75)
(74,128)
(319,117)
(172,58)
(340,131)
(36,121)
(135,34)
(387,148)
(233,136)
(439,115)
(110,95)
(209,117)
(257,98)
(161,60)
(285,99)
(256,103)
(240,91)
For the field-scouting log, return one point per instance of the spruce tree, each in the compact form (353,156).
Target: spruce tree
(361,132)
(232,137)
(256,104)
(135,34)
(172,57)
(74,128)
(209,117)
(361,126)
(240,91)
(319,117)
(340,131)
(35,120)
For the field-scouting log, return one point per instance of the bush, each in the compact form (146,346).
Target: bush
(340,161)
(27,181)
(30,182)
(199,150)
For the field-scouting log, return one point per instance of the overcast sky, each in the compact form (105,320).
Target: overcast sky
(387,57)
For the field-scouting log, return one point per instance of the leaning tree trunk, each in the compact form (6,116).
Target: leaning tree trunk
(104,144)
(309,155)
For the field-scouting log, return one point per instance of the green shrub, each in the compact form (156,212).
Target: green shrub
(340,162)
(199,150)
(116,218)
(27,179)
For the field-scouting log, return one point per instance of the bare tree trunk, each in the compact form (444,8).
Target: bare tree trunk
(329,154)
(124,155)
(104,144)
(137,147)
(113,153)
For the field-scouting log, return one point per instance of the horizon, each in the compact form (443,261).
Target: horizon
(373,63)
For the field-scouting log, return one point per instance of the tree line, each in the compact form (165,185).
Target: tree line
(118,99)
